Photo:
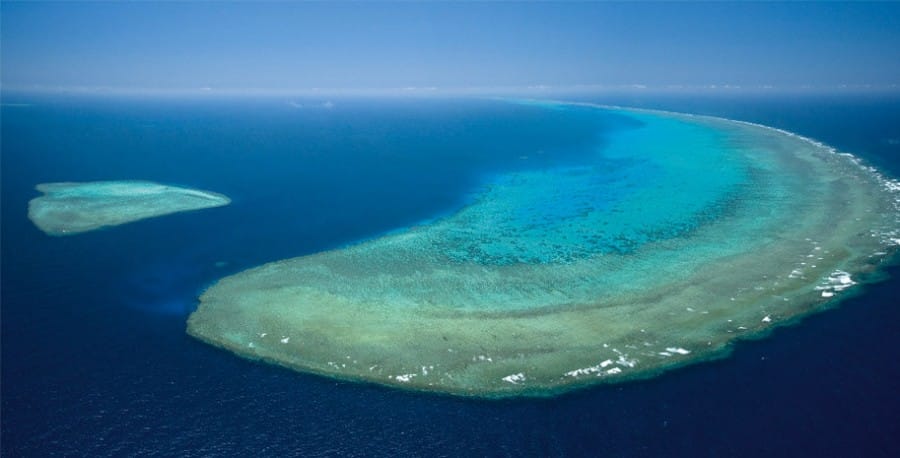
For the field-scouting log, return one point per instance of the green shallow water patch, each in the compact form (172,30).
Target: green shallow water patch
(663,247)
(69,208)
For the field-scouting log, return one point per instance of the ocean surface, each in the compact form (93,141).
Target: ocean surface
(95,360)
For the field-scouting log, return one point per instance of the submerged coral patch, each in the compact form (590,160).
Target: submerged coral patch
(663,247)
(71,208)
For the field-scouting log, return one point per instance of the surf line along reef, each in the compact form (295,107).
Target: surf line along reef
(71,208)
(676,238)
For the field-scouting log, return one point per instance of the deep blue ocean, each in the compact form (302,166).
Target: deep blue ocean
(95,360)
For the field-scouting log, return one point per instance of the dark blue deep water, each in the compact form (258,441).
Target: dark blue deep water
(95,361)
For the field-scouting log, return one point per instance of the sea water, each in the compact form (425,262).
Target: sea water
(95,361)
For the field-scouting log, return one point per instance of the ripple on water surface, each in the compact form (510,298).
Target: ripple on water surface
(669,243)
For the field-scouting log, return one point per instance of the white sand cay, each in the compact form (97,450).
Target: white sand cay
(70,208)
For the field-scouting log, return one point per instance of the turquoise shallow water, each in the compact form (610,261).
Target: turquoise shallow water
(656,180)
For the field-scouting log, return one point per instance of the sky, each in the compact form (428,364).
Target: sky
(300,46)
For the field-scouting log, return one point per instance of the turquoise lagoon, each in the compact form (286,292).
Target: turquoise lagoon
(668,241)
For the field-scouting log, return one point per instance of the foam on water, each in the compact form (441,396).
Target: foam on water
(664,247)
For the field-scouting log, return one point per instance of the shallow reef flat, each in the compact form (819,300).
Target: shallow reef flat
(71,208)
(670,242)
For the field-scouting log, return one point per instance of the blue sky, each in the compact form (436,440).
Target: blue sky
(298,46)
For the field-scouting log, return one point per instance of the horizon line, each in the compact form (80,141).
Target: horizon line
(578,89)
